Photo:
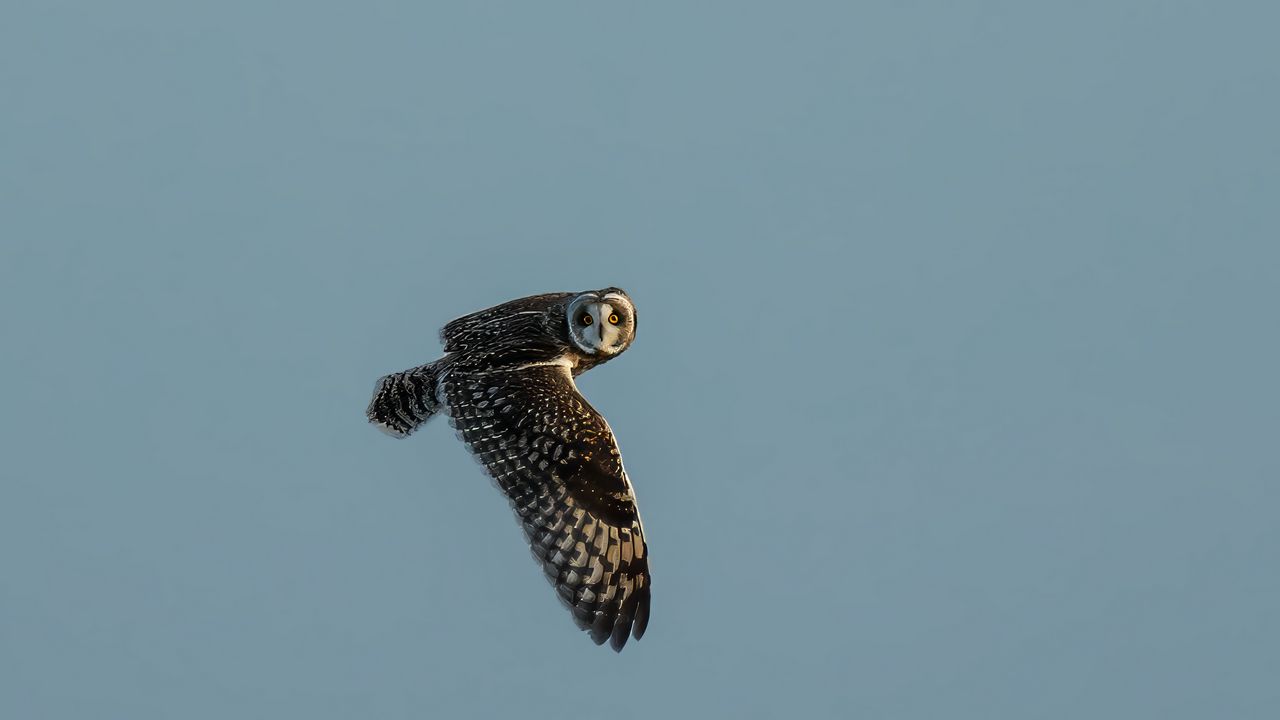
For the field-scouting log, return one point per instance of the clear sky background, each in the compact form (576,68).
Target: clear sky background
(954,393)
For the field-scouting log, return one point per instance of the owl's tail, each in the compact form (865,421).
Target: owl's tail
(402,402)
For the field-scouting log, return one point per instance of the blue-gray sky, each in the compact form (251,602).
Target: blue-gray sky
(954,392)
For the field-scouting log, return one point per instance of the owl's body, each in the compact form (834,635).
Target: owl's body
(506,382)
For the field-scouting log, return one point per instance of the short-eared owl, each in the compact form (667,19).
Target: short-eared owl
(506,382)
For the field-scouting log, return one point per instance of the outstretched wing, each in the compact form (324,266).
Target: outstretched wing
(555,458)
(403,401)
(480,328)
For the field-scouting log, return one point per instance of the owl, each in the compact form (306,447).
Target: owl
(506,383)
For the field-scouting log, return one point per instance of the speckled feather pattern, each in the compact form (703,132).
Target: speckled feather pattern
(555,458)
(484,331)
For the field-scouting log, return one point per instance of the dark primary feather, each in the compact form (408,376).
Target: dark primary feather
(555,458)
(527,333)
(403,401)
(480,328)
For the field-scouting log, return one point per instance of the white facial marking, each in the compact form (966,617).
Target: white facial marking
(608,331)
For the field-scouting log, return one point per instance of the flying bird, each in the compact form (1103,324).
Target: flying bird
(506,383)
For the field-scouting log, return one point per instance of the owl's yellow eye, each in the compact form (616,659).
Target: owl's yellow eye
(585,319)
(613,319)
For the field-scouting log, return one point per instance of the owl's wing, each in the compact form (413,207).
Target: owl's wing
(402,402)
(483,326)
(555,458)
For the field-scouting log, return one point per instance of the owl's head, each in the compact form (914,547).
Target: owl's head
(601,322)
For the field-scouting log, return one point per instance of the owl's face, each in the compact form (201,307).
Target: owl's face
(602,322)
